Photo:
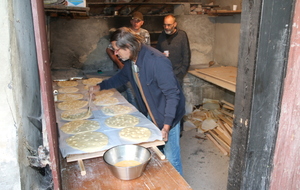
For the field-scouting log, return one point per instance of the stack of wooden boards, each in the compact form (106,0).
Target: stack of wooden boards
(215,119)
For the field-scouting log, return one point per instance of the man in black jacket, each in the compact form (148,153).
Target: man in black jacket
(174,44)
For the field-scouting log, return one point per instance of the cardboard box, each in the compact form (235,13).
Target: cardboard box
(76,3)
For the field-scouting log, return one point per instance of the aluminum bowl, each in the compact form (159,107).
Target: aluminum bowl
(127,152)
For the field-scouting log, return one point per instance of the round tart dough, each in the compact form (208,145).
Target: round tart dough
(68,90)
(79,114)
(104,93)
(121,121)
(88,141)
(116,109)
(92,81)
(135,134)
(72,105)
(69,97)
(67,83)
(105,101)
(80,126)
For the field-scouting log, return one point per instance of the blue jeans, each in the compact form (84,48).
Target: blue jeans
(172,148)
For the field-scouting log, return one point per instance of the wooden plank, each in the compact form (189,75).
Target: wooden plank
(158,153)
(227,103)
(159,174)
(226,113)
(226,74)
(76,157)
(223,118)
(217,144)
(216,79)
(81,166)
(220,141)
(223,134)
(228,107)
(229,128)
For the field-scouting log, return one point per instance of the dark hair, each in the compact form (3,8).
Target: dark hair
(126,38)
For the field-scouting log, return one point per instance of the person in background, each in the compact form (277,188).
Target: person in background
(136,21)
(159,93)
(174,43)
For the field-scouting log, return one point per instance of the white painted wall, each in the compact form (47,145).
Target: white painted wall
(9,173)
(19,97)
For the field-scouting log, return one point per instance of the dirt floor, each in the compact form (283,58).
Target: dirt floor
(204,166)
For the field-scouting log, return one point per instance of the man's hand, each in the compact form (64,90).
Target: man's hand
(94,89)
(165,132)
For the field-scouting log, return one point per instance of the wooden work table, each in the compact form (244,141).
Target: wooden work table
(224,77)
(159,175)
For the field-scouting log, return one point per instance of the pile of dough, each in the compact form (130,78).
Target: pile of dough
(69,97)
(105,101)
(68,90)
(67,83)
(79,126)
(72,105)
(79,114)
(88,141)
(138,134)
(121,121)
(116,109)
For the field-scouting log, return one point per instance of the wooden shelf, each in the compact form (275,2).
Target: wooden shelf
(135,3)
(222,12)
(224,77)
(65,11)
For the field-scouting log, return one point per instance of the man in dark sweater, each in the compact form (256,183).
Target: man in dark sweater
(157,91)
(174,44)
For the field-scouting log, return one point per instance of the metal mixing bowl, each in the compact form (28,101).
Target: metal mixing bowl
(127,152)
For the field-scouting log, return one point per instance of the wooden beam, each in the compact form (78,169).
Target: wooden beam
(258,93)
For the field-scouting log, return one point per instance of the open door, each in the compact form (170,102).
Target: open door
(48,110)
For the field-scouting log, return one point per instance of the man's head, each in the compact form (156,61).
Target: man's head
(126,44)
(137,20)
(170,24)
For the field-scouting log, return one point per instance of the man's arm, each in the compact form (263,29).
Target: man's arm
(114,58)
(186,53)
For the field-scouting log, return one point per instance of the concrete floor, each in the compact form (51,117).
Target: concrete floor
(204,166)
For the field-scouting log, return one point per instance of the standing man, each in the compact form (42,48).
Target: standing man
(137,20)
(174,44)
(157,91)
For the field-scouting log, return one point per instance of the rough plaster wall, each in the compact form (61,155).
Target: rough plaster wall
(19,97)
(81,44)
(73,40)
(201,32)
(227,40)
